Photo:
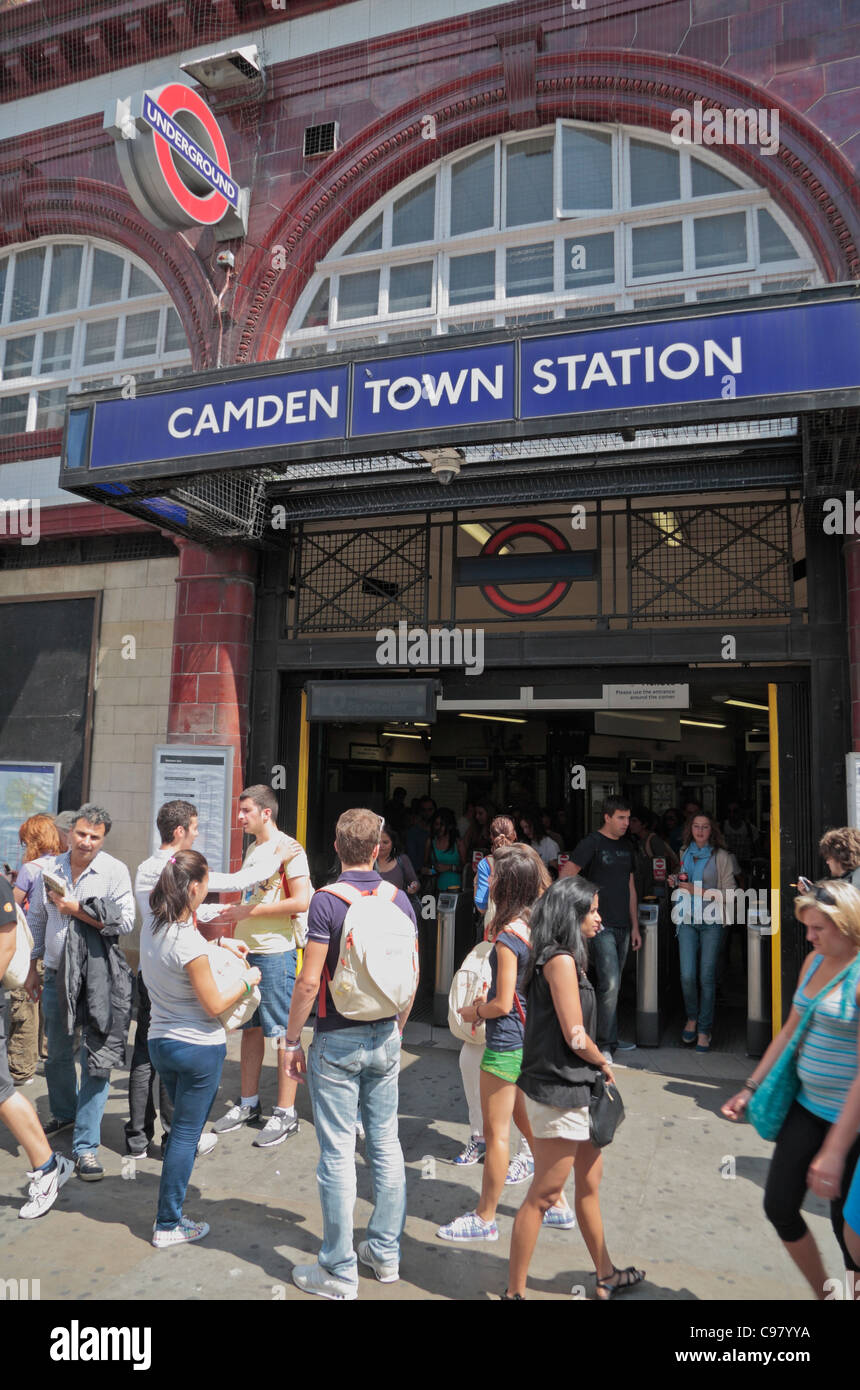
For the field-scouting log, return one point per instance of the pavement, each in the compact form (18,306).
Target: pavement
(681,1197)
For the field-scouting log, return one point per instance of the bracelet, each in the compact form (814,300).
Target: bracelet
(287,1046)
(247,987)
(751,1085)
(477,1007)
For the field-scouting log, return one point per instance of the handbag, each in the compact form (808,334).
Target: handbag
(19,966)
(605,1112)
(229,970)
(769,1105)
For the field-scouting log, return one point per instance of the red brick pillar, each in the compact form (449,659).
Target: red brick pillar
(211,672)
(852,585)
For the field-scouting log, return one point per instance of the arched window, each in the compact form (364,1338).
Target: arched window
(75,315)
(574,219)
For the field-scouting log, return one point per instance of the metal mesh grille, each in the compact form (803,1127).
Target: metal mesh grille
(227,504)
(365,579)
(86,550)
(711,562)
(320,139)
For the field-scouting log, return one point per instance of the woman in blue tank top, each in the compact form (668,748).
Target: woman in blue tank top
(819,1143)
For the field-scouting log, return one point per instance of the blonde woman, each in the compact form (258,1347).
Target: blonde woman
(812,1144)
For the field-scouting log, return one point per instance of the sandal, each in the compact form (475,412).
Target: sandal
(689,1035)
(706,1046)
(627,1279)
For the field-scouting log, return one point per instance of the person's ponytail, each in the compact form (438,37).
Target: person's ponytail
(169,897)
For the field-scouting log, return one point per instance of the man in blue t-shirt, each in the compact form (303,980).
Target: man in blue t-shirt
(605,858)
(349,1061)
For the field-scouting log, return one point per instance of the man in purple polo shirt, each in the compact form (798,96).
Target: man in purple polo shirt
(349,1062)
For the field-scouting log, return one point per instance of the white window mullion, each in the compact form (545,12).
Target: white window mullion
(688,245)
(384,283)
(46,280)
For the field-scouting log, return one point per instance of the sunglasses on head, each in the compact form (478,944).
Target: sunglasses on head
(821,895)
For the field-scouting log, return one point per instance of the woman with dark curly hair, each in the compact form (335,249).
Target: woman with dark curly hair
(187,1041)
(840,850)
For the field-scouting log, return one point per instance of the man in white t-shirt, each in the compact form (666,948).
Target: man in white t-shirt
(267,920)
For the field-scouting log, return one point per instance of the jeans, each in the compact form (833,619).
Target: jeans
(191,1073)
(609,952)
(144,1084)
(84,1104)
(348,1067)
(699,947)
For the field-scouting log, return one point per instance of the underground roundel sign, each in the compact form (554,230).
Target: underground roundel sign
(174,161)
(536,568)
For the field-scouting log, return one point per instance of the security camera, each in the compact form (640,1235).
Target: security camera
(225,259)
(445,470)
(445,464)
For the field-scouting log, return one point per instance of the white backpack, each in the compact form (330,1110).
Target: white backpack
(470,982)
(377,969)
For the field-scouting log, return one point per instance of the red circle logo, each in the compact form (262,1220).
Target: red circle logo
(175,99)
(556,591)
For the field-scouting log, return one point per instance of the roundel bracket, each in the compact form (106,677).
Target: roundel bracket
(174,161)
(552,595)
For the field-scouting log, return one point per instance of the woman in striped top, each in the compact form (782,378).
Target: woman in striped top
(827,1065)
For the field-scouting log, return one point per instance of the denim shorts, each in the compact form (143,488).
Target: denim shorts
(278,975)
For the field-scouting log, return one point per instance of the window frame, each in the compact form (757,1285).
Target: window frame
(80,376)
(562,303)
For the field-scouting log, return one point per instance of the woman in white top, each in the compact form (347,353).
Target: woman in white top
(546,847)
(187,1043)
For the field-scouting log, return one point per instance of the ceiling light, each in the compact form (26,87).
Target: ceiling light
(496,718)
(391,733)
(225,69)
(668,524)
(480,534)
(745,704)
(702,724)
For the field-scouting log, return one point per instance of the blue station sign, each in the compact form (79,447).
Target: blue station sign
(770,358)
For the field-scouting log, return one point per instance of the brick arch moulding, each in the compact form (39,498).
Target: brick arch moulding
(807,176)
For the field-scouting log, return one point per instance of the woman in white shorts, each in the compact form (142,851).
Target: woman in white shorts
(560,1063)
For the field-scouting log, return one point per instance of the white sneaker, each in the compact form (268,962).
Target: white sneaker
(386,1273)
(182,1234)
(45,1186)
(607,1056)
(315,1279)
(520,1169)
(206,1143)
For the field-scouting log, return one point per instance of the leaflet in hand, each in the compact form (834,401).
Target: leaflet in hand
(55,884)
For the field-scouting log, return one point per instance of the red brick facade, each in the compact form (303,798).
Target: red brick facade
(213,637)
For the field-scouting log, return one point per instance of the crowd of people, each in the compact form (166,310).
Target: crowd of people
(539,1032)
